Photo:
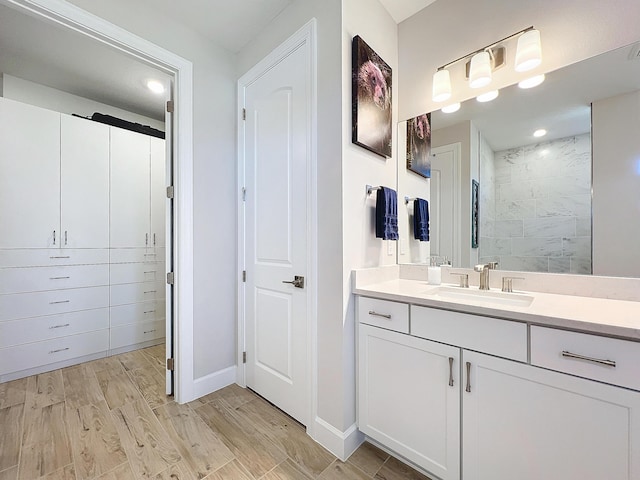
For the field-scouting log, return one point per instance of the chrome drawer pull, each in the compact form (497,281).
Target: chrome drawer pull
(150,254)
(468,389)
(66,256)
(63,301)
(608,363)
(150,331)
(59,350)
(58,278)
(150,291)
(150,311)
(451,371)
(376,314)
(152,271)
(59,326)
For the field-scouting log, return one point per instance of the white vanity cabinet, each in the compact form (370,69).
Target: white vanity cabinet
(409,389)
(508,415)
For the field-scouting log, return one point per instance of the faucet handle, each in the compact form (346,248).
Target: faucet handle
(480,267)
(464,279)
(507,283)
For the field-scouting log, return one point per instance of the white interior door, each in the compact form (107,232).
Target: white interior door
(168,219)
(444,204)
(277,155)
(84,194)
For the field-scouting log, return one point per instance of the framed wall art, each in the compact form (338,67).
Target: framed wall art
(475,213)
(419,145)
(371,100)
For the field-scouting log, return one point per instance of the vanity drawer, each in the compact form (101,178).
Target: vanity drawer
(36,329)
(24,357)
(548,345)
(136,272)
(136,333)
(502,338)
(45,257)
(39,279)
(383,313)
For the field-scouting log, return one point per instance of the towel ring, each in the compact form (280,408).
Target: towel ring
(371,189)
(407,200)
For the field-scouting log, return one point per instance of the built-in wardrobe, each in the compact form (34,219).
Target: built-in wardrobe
(82,240)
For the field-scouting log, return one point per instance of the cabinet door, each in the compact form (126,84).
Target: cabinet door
(84,194)
(409,398)
(528,423)
(29,176)
(130,192)
(158,192)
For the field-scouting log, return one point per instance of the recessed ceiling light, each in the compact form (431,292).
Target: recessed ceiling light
(487,97)
(532,82)
(454,107)
(540,133)
(155,86)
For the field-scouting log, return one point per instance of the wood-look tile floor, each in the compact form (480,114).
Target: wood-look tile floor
(110,420)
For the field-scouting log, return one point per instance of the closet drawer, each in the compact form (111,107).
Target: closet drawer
(136,272)
(24,305)
(502,338)
(23,357)
(385,314)
(583,354)
(37,279)
(137,292)
(45,257)
(137,255)
(137,312)
(27,330)
(137,333)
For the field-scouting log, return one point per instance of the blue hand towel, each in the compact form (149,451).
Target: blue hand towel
(387,214)
(421,220)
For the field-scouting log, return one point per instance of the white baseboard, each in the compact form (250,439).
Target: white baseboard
(341,444)
(214,381)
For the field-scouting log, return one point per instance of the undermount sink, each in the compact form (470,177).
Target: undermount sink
(487,297)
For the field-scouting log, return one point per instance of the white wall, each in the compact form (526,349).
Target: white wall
(46,97)
(616,185)
(571,30)
(214,175)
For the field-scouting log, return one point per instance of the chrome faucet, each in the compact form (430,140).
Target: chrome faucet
(484,268)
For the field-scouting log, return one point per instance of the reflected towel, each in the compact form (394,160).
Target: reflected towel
(387,214)
(421,220)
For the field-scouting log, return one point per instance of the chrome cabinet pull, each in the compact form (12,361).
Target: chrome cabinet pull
(54,237)
(146,239)
(150,291)
(150,254)
(154,238)
(468,389)
(150,331)
(59,350)
(150,311)
(65,256)
(63,301)
(599,361)
(451,371)
(65,237)
(376,314)
(152,271)
(59,326)
(59,278)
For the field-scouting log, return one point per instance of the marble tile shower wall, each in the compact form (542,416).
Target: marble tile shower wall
(540,217)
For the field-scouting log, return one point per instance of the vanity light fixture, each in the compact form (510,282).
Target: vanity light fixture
(487,97)
(532,82)
(454,107)
(155,86)
(540,133)
(480,64)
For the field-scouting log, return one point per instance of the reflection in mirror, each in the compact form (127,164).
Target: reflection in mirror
(564,202)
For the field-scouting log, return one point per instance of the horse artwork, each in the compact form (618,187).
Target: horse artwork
(419,145)
(371,100)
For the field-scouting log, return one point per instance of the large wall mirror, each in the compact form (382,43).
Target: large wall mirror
(564,202)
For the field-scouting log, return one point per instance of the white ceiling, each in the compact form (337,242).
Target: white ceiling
(400,10)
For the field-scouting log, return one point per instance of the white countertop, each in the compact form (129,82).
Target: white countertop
(618,318)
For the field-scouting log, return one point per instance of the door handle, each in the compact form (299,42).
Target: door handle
(297,282)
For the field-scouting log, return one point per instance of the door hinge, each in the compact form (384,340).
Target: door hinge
(244,114)
(171,191)
(244,194)
(244,357)
(170,106)
(170,364)
(244,275)
(170,278)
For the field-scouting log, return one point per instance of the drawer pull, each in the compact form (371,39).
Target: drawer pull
(59,278)
(150,311)
(608,363)
(150,331)
(468,389)
(152,271)
(150,291)
(62,301)
(451,371)
(376,314)
(150,254)
(59,326)
(64,256)
(59,350)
